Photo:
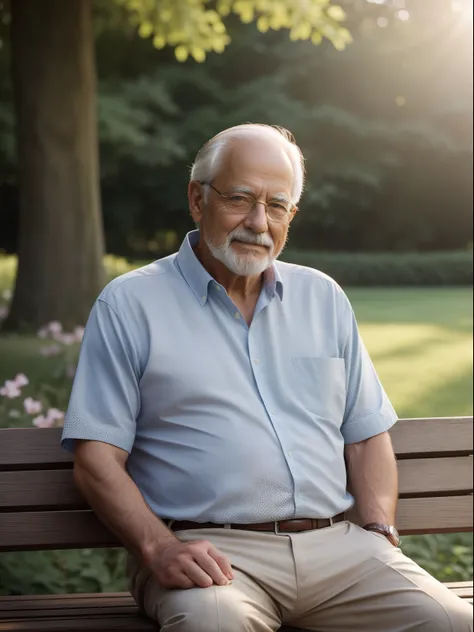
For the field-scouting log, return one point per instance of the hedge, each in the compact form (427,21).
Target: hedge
(389,269)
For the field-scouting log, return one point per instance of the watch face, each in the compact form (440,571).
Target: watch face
(395,535)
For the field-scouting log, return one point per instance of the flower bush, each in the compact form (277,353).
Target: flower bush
(46,408)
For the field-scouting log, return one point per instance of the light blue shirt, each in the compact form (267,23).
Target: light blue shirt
(227,422)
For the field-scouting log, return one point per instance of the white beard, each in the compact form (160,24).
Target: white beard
(243,265)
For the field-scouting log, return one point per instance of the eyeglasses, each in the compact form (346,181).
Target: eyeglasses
(278,211)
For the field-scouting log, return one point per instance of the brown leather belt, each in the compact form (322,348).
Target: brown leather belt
(281,526)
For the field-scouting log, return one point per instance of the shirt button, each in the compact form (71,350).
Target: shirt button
(203,298)
(218,288)
(290,454)
(237,314)
(256,360)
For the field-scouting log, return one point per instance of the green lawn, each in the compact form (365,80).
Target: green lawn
(419,339)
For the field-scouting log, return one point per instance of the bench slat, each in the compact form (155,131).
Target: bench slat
(38,490)
(435,436)
(451,514)
(32,448)
(110,623)
(32,490)
(436,476)
(79,529)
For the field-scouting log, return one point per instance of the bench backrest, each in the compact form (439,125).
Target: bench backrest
(41,508)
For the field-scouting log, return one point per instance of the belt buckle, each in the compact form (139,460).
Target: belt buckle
(276,527)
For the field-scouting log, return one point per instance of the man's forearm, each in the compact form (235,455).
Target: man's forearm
(119,504)
(373,478)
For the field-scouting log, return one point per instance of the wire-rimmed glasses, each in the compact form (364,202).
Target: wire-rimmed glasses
(241,203)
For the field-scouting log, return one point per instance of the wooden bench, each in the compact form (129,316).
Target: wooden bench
(40,508)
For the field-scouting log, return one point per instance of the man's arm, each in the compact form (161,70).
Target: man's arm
(373,478)
(100,474)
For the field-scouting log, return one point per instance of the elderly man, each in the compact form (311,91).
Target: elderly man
(223,405)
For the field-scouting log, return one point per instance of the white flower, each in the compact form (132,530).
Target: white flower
(10,389)
(21,380)
(66,339)
(7,294)
(3,311)
(32,406)
(54,327)
(51,350)
(78,333)
(54,414)
(42,333)
(14,413)
(42,422)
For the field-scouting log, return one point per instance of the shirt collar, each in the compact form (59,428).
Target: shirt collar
(198,278)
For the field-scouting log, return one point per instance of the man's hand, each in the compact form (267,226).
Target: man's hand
(189,564)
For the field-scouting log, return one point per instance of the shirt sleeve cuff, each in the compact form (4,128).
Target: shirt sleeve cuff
(89,433)
(366,427)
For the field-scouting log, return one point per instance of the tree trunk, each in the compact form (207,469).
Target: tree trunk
(61,247)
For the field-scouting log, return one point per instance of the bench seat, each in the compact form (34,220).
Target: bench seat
(105,612)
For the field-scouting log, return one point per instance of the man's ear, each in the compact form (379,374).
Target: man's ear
(196,200)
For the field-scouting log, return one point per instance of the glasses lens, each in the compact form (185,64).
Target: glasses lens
(278,211)
(239,203)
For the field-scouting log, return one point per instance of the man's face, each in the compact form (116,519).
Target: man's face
(247,244)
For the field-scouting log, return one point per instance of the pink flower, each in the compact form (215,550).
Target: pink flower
(78,333)
(54,327)
(42,422)
(66,339)
(10,389)
(32,406)
(51,350)
(3,312)
(21,380)
(54,414)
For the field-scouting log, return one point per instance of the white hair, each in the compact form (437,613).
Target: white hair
(209,156)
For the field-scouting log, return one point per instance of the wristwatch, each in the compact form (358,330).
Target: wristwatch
(389,531)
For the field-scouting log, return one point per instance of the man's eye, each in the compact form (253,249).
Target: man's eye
(278,205)
(238,198)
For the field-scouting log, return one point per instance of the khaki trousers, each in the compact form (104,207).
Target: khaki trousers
(337,579)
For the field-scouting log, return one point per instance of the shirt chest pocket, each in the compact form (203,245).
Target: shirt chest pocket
(320,386)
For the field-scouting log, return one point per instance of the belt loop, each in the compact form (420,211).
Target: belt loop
(169,523)
(331,522)
(276,527)
(227,525)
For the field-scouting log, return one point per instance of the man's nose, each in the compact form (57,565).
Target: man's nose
(257,218)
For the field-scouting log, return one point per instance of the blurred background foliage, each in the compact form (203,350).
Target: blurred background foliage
(385,126)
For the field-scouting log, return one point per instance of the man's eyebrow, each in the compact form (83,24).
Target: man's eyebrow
(282,197)
(241,188)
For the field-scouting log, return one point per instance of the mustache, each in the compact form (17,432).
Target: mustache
(249,237)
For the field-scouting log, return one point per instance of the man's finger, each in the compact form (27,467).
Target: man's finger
(195,572)
(212,568)
(222,561)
